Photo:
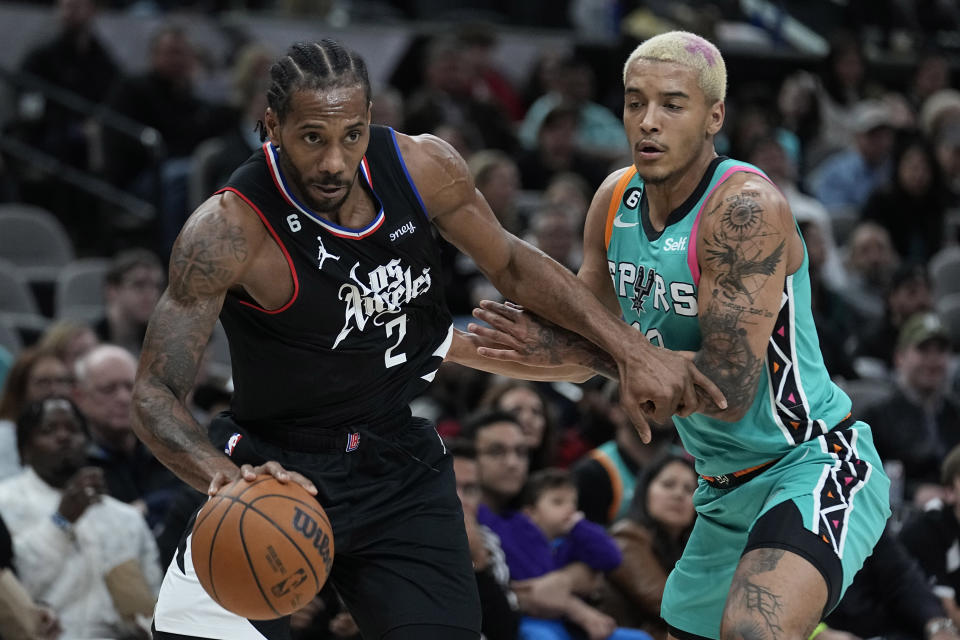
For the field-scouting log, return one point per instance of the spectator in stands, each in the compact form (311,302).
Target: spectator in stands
(478,42)
(250,79)
(497,602)
(555,152)
(919,423)
(502,456)
(68,340)
(532,412)
(908,293)
(132,287)
(889,598)
(932,536)
(74,60)
(447,98)
(163,98)
(69,538)
(916,187)
(131,473)
(597,131)
(870,265)
(35,374)
(930,75)
(607,476)
(651,537)
(548,535)
(45,623)
(846,180)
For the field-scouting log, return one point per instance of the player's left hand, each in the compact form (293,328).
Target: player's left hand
(283,476)
(517,335)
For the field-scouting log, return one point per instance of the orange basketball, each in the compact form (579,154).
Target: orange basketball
(262,549)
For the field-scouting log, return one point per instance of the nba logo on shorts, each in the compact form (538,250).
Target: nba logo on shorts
(231,443)
(353,441)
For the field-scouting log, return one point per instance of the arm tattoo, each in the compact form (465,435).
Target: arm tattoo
(552,340)
(741,262)
(725,356)
(200,265)
(736,249)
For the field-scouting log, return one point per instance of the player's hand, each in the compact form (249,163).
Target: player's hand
(657,383)
(517,335)
(249,473)
(82,490)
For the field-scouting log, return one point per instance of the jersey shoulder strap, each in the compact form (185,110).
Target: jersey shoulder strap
(614,205)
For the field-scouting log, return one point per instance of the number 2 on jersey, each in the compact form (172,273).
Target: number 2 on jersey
(399,324)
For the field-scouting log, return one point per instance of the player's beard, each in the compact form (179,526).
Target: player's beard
(320,206)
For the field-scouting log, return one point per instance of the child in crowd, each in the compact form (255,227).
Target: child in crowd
(548,534)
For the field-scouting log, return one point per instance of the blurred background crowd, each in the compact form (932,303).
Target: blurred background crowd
(119,117)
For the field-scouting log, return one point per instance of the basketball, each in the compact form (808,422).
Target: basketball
(262,549)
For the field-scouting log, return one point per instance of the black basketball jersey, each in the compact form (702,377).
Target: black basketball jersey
(367,325)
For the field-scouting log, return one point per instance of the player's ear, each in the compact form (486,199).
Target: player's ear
(272,124)
(715,115)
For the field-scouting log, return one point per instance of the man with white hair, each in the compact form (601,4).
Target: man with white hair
(705,257)
(103,392)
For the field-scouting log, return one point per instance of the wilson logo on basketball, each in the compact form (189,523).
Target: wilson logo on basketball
(306,525)
(283,587)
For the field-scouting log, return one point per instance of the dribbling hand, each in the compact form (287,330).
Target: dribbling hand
(249,473)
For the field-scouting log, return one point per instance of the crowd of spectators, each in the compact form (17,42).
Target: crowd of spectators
(573,522)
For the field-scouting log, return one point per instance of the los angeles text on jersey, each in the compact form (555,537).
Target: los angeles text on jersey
(387,289)
(648,291)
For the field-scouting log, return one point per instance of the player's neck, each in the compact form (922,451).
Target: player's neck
(664,197)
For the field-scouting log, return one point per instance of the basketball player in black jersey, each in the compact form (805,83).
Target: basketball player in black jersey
(319,259)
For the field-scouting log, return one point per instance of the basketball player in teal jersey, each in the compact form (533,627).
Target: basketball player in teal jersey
(705,257)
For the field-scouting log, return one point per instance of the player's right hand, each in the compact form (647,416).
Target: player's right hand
(657,383)
(249,473)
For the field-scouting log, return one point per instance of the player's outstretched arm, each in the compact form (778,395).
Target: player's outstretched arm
(652,381)
(746,246)
(209,257)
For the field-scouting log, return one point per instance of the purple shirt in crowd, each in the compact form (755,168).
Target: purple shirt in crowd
(530,555)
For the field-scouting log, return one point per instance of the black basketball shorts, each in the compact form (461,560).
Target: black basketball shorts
(401,553)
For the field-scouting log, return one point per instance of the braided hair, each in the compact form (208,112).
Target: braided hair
(314,65)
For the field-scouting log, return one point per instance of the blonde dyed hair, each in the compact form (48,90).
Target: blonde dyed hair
(690,50)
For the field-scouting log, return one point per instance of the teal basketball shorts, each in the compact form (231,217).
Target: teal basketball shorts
(831,501)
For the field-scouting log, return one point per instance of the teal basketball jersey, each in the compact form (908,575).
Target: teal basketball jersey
(655,275)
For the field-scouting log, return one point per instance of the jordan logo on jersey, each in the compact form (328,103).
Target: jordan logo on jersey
(324,254)
(388,287)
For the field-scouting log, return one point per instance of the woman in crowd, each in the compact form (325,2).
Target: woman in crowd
(523,400)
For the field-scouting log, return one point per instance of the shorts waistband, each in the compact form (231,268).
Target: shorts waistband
(316,439)
(737,478)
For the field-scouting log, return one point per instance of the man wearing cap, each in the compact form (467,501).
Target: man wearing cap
(919,423)
(845,180)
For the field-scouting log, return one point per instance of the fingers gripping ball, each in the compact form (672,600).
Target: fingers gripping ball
(262,549)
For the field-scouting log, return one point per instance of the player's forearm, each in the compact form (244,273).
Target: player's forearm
(165,425)
(543,286)
(578,360)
